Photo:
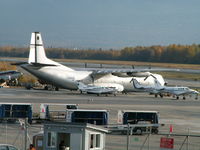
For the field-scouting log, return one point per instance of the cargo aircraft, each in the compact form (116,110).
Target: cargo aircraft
(94,81)
(159,89)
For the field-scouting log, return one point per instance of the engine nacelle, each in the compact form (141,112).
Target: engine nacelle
(138,74)
(120,74)
(132,74)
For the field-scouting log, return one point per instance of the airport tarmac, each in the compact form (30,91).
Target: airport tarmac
(182,114)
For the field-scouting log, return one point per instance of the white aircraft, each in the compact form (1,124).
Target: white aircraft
(10,76)
(103,81)
(159,89)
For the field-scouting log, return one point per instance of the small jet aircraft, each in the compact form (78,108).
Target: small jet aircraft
(10,76)
(159,89)
(96,81)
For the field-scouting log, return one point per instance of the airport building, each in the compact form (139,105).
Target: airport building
(73,136)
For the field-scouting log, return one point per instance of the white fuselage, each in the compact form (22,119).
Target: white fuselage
(58,75)
(61,76)
(179,90)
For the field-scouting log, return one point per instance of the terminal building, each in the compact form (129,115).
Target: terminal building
(72,136)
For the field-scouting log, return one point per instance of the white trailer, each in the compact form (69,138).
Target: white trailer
(142,120)
(97,117)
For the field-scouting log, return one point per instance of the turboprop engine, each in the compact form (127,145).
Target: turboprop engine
(132,74)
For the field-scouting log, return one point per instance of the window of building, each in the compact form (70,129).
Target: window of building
(95,140)
(51,141)
(98,140)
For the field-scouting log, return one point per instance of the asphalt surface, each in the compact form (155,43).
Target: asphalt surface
(182,114)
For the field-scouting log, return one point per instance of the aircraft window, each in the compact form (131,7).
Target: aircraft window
(38,37)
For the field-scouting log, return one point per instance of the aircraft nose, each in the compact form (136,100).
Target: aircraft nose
(196,92)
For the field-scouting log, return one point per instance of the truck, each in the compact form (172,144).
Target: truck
(10,112)
(142,120)
(97,117)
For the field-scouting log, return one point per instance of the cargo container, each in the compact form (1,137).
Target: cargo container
(97,117)
(135,117)
(12,111)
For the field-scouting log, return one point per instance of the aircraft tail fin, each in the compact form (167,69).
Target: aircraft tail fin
(37,55)
(136,84)
(158,84)
(37,52)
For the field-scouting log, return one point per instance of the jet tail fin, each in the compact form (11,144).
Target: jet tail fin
(158,84)
(136,84)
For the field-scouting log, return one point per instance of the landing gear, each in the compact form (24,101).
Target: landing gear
(184,98)
(57,89)
(123,92)
(156,95)
(46,88)
(51,87)
(177,97)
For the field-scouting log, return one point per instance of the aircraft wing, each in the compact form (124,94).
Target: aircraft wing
(9,75)
(111,70)
(98,73)
(107,71)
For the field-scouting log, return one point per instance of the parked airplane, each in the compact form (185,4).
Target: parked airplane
(10,76)
(159,89)
(90,81)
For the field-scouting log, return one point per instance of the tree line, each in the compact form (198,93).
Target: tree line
(188,54)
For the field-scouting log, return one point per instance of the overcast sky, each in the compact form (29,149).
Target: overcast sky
(100,23)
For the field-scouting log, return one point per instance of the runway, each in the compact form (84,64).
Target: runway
(182,114)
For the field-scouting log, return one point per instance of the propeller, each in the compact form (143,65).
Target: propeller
(131,80)
(149,76)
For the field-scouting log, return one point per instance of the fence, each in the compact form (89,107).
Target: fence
(16,134)
(153,142)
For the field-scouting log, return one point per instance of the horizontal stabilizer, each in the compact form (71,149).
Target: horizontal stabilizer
(19,63)
(42,65)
